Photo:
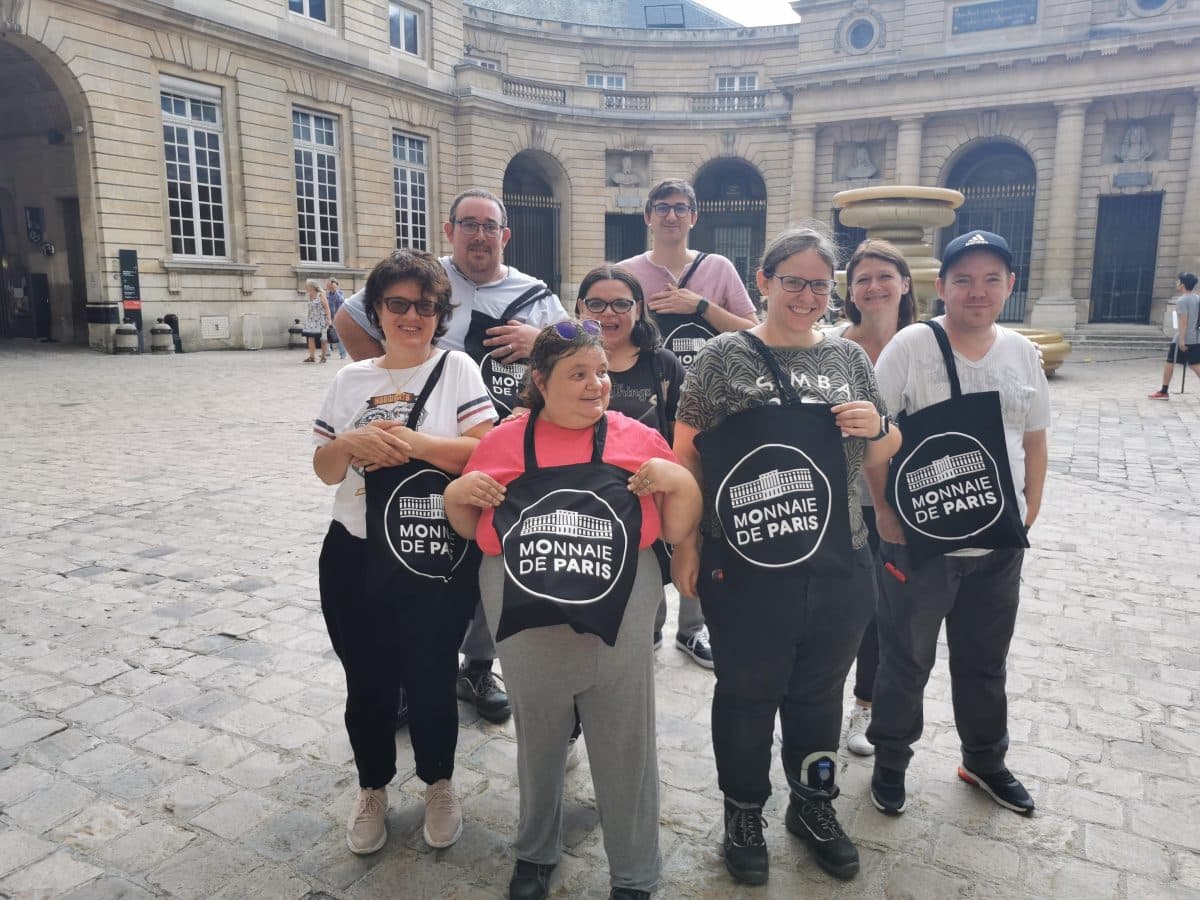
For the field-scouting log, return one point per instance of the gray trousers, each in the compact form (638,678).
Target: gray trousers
(977,597)
(477,645)
(551,671)
(691,618)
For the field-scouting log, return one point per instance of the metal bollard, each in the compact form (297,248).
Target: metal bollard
(162,339)
(126,340)
(296,336)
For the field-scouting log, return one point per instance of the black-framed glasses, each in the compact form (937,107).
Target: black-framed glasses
(680,209)
(596,305)
(400,306)
(569,329)
(793,284)
(471,227)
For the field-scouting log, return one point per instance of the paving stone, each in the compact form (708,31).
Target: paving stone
(1125,851)
(109,888)
(26,731)
(145,846)
(95,825)
(46,808)
(202,869)
(20,848)
(233,817)
(49,877)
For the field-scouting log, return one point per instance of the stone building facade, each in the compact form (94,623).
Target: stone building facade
(239,148)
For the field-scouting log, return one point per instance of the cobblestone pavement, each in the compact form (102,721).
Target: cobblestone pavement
(170,711)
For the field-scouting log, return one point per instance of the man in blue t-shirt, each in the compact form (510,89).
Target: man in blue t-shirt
(1185,347)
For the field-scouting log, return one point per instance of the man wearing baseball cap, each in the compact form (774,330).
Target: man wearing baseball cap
(974,589)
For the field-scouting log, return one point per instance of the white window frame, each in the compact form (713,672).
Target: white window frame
(406,11)
(605,81)
(483,62)
(306,10)
(734,83)
(203,125)
(316,168)
(410,188)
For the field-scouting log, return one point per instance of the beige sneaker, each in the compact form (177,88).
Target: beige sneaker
(366,831)
(443,815)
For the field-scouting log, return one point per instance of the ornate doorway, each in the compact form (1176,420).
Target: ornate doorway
(534,215)
(733,216)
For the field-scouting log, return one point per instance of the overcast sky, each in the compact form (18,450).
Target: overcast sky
(753,12)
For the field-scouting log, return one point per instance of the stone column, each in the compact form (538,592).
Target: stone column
(1189,226)
(908,150)
(804,173)
(1055,308)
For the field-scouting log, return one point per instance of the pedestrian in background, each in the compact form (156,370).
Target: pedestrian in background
(316,320)
(1185,346)
(336,298)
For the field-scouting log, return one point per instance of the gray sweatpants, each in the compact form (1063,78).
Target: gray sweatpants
(551,671)
(691,617)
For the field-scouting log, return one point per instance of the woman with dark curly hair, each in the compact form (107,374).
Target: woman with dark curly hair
(395,579)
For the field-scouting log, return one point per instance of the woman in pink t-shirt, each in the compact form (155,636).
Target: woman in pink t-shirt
(565,504)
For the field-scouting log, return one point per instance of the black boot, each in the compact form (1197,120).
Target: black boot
(745,847)
(530,881)
(810,815)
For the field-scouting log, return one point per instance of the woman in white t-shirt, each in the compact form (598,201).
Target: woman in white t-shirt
(395,590)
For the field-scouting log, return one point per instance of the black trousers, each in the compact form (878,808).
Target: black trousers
(868,650)
(412,640)
(977,597)
(781,644)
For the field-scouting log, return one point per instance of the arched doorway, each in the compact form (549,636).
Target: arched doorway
(733,215)
(534,185)
(998,180)
(43,291)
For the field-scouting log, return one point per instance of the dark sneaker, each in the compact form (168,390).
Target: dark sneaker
(402,710)
(887,790)
(657,639)
(745,848)
(814,820)
(530,881)
(696,646)
(1160,395)
(1002,787)
(481,688)
(628,894)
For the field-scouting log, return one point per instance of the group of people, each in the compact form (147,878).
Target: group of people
(663,432)
(318,330)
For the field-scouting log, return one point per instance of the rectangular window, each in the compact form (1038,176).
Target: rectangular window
(605,81)
(404,27)
(737,82)
(489,64)
(410,177)
(313,9)
(314,140)
(195,188)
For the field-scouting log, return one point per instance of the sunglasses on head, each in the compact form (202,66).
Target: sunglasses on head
(596,305)
(400,306)
(569,330)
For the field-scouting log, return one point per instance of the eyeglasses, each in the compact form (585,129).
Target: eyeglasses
(471,227)
(596,305)
(793,284)
(569,330)
(400,306)
(663,210)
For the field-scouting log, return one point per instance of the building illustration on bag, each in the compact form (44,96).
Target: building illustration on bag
(770,485)
(431,507)
(568,523)
(687,344)
(512,370)
(946,469)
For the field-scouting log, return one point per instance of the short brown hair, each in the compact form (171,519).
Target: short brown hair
(669,187)
(887,252)
(548,348)
(410,265)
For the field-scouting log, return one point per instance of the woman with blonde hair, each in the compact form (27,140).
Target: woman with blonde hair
(317,320)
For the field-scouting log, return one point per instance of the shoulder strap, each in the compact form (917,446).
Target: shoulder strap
(528,298)
(414,415)
(782,382)
(948,355)
(687,276)
(599,436)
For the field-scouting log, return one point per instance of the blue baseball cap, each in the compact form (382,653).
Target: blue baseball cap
(975,240)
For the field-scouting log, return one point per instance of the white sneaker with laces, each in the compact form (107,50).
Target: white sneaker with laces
(443,815)
(366,830)
(856,734)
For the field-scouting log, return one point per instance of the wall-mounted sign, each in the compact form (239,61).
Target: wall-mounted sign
(35,224)
(994,14)
(131,289)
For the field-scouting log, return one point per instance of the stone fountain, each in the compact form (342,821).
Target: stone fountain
(902,214)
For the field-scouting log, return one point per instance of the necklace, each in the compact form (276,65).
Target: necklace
(399,388)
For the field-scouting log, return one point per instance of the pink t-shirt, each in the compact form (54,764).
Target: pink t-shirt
(501,454)
(716,280)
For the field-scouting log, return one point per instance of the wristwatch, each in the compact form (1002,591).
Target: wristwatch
(885,425)
(701,306)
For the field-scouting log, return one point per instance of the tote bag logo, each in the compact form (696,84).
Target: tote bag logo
(569,547)
(948,488)
(502,380)
(774,506)
(686,341)
(416,527)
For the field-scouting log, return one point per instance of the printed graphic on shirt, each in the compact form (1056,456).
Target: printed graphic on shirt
(416,527)
(390,408)
(774,506)
(503,382)
(948,488)
(569,547)
(686,340)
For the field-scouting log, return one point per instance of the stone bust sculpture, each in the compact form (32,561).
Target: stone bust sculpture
(625,176)
(1135,146)
(862,167)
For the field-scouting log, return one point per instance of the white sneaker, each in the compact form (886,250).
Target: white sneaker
(366,831)
(443,815)
(856,734)
(574,754)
